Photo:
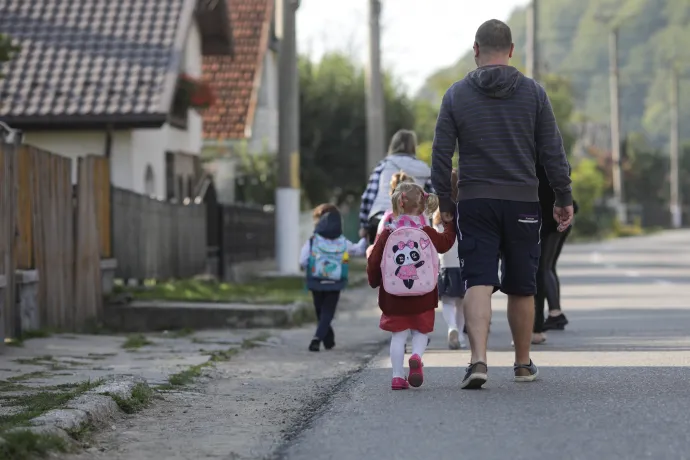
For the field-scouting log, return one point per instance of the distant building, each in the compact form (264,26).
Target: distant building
(115,78)
(245,116)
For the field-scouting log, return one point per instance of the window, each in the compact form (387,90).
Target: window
(149,181)
(169,176)
(180,109)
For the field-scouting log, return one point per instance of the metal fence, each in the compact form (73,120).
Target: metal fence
(248,233)
(155,239)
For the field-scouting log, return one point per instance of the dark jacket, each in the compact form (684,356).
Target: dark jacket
(503,124)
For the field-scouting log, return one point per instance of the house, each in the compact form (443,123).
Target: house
(115,78)
(244,118)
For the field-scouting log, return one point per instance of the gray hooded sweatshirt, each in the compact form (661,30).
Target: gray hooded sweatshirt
(503,124)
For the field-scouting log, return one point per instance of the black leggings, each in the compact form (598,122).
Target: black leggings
(548,285)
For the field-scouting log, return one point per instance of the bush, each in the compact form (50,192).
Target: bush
(588,188)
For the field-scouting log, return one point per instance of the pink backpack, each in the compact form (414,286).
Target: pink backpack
(410,261)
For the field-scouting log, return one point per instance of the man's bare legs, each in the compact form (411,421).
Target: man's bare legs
(477,306)
(521,320)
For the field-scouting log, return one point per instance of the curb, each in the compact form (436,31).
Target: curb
(94,408)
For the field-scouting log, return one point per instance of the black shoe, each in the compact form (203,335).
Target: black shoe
(556,323)
(475,377)
(315,345)
(329,340)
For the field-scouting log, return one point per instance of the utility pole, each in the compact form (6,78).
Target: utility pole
(376,124)
(532,54)
(615,127)
(676,214)
(288,190)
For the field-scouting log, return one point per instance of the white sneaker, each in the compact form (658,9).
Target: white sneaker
(463,342)
(454,339)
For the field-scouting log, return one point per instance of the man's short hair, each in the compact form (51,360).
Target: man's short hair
(494,36)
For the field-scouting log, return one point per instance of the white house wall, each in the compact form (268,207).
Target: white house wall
(265,127)
(76,144)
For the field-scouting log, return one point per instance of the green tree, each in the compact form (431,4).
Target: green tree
(333,125)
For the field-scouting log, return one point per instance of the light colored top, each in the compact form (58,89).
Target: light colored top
(450,259)
(354,250)
(392,164)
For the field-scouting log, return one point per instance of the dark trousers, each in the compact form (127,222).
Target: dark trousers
(548,284)
(325,303)
(373,227)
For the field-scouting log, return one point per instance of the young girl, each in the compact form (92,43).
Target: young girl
(402,315)
(450,285)
(397,179)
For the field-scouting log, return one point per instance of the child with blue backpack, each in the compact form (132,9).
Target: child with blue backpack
(325,258)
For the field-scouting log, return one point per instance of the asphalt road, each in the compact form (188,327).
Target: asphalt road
(614,385)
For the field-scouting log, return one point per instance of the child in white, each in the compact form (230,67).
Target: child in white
(451,292)
(451,289)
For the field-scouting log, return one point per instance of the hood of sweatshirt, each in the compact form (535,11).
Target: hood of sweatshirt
(330,225)
(495,81)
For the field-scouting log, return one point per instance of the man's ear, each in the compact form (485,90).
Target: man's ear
(475,47)
(512,48)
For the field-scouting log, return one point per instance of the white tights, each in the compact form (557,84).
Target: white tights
(398,341)
(453,313)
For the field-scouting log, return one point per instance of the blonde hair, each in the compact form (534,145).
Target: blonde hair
(322,209)
(404,141)
(398,178)
(453,194)
(409,196)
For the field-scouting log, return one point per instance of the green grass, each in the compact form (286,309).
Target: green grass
(188,375)
(28,376)
(141,398)
(136,341)
(25,445)
(36,360)
(35,404)
(28,335)
(261,291)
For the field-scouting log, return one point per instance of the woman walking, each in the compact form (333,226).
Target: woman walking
(548,284)
(402,157)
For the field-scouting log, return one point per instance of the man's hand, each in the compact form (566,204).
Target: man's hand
(363,232)
(564,216)
(447,217)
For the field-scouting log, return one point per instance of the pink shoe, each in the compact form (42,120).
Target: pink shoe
(416,377)
(399,383)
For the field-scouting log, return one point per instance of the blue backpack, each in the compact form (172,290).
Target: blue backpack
(328,264)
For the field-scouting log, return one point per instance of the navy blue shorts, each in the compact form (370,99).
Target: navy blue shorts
(492,230)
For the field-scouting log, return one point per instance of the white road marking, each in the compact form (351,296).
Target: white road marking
(632,274)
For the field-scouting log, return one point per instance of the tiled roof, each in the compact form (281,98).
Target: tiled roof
(92,59)
(236,80)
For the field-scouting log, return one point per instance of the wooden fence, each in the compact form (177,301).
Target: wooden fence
(56,233)
(155,239)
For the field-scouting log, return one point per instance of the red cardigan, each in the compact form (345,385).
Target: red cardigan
(397,305)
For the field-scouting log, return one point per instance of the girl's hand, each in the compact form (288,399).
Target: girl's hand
(447,217)
(369,249)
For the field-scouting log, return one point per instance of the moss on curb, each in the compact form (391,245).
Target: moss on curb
(141,398)
(25,445)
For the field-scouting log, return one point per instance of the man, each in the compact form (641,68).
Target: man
(502,123)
